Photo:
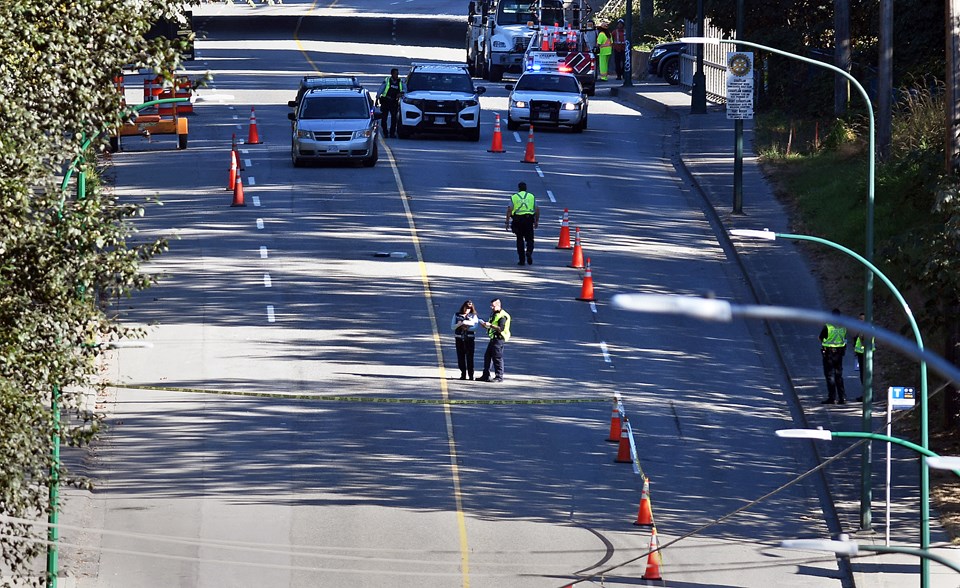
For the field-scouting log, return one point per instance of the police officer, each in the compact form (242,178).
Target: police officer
(833,345)
(388,98)
(523,216)
(498,329)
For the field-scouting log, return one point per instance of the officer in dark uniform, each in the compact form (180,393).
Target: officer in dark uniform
(498,330)
(391,90)
(833,345)
(523,216)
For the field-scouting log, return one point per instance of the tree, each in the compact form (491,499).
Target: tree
(59,255)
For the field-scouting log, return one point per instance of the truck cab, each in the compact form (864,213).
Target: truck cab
(499,32)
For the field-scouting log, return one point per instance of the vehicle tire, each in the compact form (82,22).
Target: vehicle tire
(512,125)
(402,132)
(496,73)
(670,70)
(297,162)
(473,134)
(591,90)
(578,128)
(114,144)
(372,160)
(181,141)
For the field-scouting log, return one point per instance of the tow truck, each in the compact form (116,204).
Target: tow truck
(563,49)
(499,32)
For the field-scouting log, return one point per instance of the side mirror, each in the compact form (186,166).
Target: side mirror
(292,115)
(292,104)
(481,90)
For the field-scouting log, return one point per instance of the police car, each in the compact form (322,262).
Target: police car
(440,98)
(547,98)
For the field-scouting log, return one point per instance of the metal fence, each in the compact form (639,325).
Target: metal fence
(714,62)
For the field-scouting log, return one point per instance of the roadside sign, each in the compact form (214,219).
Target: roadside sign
(901,398)
(739,85)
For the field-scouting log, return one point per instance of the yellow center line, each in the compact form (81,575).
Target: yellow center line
(444,392)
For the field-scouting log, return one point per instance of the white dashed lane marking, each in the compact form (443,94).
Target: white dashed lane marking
(263,252)
(270,316)
(267,282)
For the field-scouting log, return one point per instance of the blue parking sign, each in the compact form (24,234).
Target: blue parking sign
(901,397)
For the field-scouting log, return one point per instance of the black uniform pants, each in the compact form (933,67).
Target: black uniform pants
(833,372)
(493,357)
(465,349)
(390,108)
(523,229)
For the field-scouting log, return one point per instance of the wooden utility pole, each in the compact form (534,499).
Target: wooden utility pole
(952,98)
(841,55)
(885,81)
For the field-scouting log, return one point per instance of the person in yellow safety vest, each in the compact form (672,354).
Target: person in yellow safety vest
(833,346)
(605,43)
(498,329)
(859,349)
(523,216)
(388,98)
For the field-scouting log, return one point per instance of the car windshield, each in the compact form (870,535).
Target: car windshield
(547,83)
(439,82)
(334,107)
(519,12)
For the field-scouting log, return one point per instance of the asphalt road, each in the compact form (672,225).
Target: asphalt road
(386,470)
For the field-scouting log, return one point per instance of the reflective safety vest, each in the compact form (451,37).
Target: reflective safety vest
(523,203)
(836,337)
(504,333)
(858,345)
(606,46)
(392,88)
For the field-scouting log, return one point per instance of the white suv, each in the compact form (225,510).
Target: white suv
(440,98)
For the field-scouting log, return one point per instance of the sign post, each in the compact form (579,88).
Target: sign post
(739,107)
(898,398)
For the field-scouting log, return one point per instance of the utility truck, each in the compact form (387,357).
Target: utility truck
(499,32)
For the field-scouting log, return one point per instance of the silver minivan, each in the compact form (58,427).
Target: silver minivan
(334,124)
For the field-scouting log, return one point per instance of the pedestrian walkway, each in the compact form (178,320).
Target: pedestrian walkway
(778,274)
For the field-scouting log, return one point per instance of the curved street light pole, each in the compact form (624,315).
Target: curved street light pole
(865,466)
(924,407)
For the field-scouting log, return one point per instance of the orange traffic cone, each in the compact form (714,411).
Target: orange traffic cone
(564,242)
(645,513)
(544,42)
(528,156)
(653,560)
(577,261)
(253,138)
(615,426)
(623,450)
(238,192)
(233,171)
(237,153)
(586,290)
(496,146)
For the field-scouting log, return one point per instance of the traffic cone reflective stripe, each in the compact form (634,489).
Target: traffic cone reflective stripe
(496,145)
(615,426)
(645,513)
(586,290)
(254,137)
(564,242)
(577,261)
(237,153)
(238,192)
(233,171)
(528,156)
(653,560)
(623,450)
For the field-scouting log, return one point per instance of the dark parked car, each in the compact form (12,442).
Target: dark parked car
(665,61)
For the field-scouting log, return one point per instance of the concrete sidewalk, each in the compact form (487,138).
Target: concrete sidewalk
(778,274)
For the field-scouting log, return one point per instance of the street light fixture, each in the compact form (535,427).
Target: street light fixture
(865,516)
(924,407)
(848,548)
